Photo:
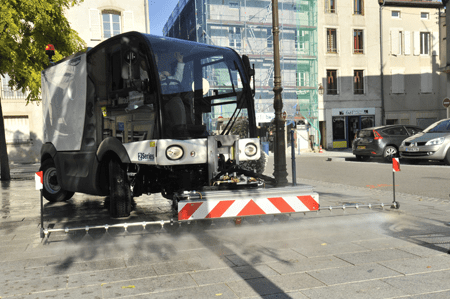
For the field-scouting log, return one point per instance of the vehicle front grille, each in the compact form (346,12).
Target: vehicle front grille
(418,143)
(414,154)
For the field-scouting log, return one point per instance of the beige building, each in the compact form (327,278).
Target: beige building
(94,20)
(413,86)
(371,79)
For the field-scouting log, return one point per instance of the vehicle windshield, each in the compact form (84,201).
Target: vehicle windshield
(442,126)
(202,89)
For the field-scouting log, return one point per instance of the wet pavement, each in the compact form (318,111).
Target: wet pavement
(350,253)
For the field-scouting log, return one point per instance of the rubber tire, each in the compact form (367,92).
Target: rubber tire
(447,157)
(52,191)
(389,152)
(120,193)
(362,158)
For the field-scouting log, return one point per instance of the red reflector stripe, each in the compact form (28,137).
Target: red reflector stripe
(281,205)
(187,211)
(220,208)
(251,209)
(309,202)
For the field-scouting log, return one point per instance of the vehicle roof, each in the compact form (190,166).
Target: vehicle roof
(390,126)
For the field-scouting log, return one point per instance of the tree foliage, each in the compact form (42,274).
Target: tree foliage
(26,27)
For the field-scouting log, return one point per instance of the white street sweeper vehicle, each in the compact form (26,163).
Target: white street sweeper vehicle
(142,114)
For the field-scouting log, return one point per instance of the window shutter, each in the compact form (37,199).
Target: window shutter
(425,82)
(398,83)
(128,21)
(435,43)
(416,43)
(95,24)
(407,43)
(17,129)
(394,42)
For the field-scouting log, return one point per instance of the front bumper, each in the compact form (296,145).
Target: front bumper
(425,152)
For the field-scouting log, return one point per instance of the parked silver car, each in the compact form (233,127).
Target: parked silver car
(433,143)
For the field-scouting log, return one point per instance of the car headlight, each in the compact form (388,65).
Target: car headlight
(250,149)
(435,141)
(174,152)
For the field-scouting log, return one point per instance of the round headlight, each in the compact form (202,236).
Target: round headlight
(250,149)
(174,152)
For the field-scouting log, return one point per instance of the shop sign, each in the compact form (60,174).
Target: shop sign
(352,111)
(264,117)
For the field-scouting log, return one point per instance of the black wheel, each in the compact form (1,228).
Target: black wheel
(120,193)
(447,158)
(362,158)
(52,191)
(390,152)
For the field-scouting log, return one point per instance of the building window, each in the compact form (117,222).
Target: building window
(233,5)
(330,6)
(426,85)
(395,14)
(234,37)
(358,41)
(300,40)
(425,43)
(269,38)
(358,82)
(332,82)
(398,81)
(111,23)
(9,92)
(358,7)
(17,129)
(331,40)
(424,15)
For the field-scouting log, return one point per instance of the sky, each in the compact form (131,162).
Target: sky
(159,12)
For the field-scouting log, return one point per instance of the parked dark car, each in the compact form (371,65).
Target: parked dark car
(431,144)
(383,141)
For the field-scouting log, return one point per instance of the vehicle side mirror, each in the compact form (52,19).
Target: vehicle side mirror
(250,71)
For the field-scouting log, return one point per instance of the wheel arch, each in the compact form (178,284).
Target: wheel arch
(110,148)
(48,151)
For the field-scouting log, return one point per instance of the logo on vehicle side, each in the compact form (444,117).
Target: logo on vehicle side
(146,157)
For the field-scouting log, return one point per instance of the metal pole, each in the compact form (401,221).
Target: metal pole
(294,171)
(42,215)
(393,183)
(280,172)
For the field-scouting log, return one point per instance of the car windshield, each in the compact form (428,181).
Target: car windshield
(202,88)
(442,126)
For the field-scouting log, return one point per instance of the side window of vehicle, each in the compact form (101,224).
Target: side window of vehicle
(395,131)
(389,132)
(412,131)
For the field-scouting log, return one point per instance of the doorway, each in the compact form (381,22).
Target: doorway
(353,126)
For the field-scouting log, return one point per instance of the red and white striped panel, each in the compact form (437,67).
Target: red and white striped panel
(205,209)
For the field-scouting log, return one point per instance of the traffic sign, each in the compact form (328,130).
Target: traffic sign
(446,102)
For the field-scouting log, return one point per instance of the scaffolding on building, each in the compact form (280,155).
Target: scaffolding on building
(246,26)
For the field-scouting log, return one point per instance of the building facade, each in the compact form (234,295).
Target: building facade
(345,65)
(246,26)
(412,84)
(378,64)
(23,123)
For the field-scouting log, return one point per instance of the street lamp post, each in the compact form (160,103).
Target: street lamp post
(280,172)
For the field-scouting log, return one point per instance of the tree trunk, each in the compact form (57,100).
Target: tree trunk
(4,161)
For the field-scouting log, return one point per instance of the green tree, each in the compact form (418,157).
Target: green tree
(26,27)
